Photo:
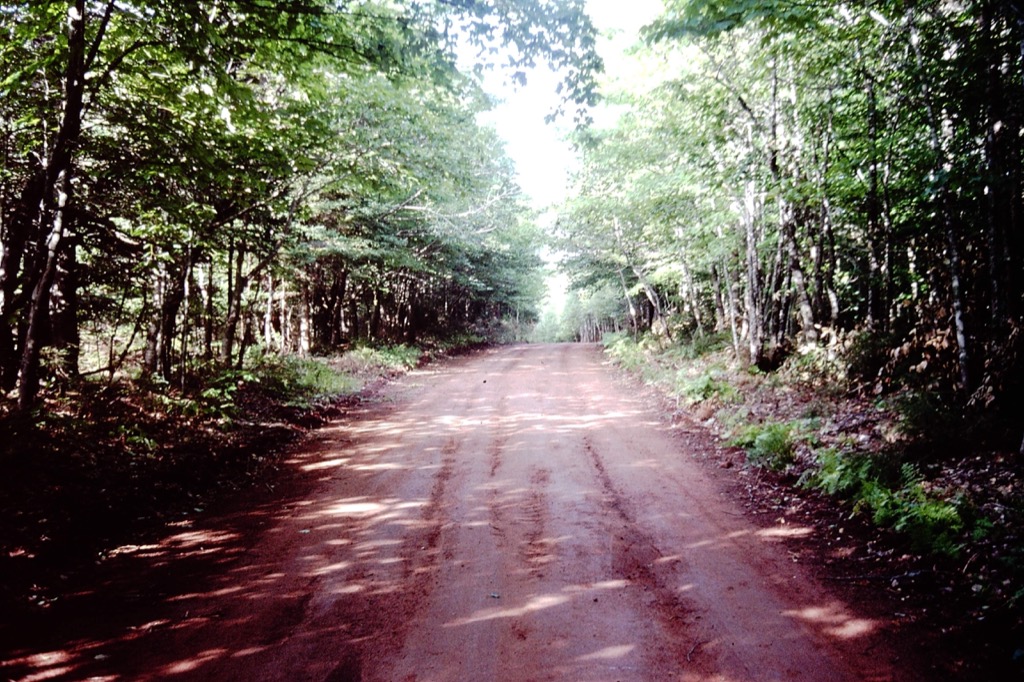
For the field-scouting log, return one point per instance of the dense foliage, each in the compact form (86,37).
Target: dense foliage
(181,182)
(818,174)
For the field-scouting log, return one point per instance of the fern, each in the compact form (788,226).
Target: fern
(932,524)
(767,445)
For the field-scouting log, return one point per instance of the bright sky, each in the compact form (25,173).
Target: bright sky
(543,159)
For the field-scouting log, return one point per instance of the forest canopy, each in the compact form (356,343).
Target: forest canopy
(826,175)
(183,182)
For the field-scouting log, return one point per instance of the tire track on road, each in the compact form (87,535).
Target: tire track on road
(636,556)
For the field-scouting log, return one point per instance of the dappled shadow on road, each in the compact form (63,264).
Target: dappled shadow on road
(532,526)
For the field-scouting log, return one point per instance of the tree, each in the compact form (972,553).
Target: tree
(828,166)
(197,141)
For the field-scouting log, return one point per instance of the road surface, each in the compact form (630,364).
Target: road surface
(520,514)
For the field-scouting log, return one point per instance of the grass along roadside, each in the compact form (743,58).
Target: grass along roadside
(940,506)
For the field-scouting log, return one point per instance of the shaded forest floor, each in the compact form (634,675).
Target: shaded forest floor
(109,465)
(953,581)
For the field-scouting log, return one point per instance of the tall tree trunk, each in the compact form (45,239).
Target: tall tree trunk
(633,316)
(657,314)
(209,293)
(376,315)
(946,210)
(752,293)
(354,319)
(29,210)
(236,288)
(995,182)
(823,255)
(155,293)
(730,297)
(342,323)
(796,273)
(248,338)
(877,305)
(38,314)
(174,296)
(688,293)
(305,323)
(40,272)
(186,323)
(64,309)
(285,315)
(828,247)
(718,287)
(268,315)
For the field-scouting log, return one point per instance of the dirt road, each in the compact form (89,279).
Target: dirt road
(517,515)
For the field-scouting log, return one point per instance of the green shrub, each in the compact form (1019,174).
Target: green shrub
(773,445)
(135,440)
(704,387)
(626,352)
(932,523)
(768,445)
(696,346)
(457,342)
(315,378)
(217,399)
(838,473)
(299,382)
(367,360)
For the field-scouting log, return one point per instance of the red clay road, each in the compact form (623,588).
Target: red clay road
(521,514)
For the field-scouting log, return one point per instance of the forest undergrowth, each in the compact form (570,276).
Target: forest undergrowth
(906,499)
(104,462)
